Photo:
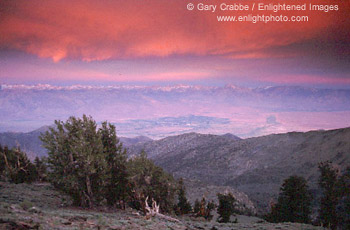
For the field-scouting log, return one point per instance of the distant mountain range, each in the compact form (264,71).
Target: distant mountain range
(256,166)
(158,112)
(28,142)
(32,145)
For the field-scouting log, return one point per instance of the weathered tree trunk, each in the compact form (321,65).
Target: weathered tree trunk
(154,211)
(7,164)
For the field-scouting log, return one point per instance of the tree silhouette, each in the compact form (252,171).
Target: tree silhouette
(226,207)
(294,202)
(183,206)
(328,182)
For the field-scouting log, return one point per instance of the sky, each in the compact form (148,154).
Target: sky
(161,42)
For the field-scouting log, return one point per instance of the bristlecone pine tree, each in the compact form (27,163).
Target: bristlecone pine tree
(294,202)
(196,207)
(183,205)
(76,159)
(87,163)
(149,180)
(91,166)
(329,183)
(15,166)
(343,207)
(41,168)
(203,208)
(226,207)
(117,183)
(210,206)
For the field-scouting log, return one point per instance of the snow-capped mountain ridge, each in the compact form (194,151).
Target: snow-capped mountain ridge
(179,87)
(88,87)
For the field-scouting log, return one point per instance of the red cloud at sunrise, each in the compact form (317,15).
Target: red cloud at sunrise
(157,40)
(102,30)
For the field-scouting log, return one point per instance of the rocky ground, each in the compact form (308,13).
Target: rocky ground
(39,206)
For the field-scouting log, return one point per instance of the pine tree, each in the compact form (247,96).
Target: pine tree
(328,182)
(196,207)
(76,159)
(16,167)
(41,168)
(343,207)
(210,206)
(117,183)
(203,208)
(294,202)
(183,205)
(226,207)
(91,166)
(149,180)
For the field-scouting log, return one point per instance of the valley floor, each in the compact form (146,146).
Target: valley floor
(39,206)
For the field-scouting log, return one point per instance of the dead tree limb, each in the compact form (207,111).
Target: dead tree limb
(154,211)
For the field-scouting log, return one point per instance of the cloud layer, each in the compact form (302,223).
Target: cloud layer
(102,30)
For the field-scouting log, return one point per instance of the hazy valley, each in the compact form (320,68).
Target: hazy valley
(161,111)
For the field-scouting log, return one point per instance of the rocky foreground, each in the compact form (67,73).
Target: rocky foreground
(39,206)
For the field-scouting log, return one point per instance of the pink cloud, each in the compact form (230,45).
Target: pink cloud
(101,30)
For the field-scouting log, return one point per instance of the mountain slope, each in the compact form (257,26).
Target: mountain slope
(130,141)
(174,144)
(28,142)
(256,166)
